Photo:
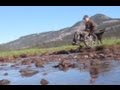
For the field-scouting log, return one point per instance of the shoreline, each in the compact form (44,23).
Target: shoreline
(100,52)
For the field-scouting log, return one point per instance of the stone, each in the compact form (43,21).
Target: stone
(28,73)
(39,63)
(4,82)
(5,74)
(44,82)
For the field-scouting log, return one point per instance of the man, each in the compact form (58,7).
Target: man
(89,25)
(89,29)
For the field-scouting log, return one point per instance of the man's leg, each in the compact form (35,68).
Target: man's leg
(74,39)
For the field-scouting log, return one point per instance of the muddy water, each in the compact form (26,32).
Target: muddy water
(108,73)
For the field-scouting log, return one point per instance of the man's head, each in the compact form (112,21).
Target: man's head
(86,18)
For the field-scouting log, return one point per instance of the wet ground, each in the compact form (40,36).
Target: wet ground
(105,73)
(95,66)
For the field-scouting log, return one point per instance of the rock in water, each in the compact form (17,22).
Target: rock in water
(39,63)
(44,82)
(28,73)
(5,74)
(65,65)
(26,62)
(4,82)
(44,73)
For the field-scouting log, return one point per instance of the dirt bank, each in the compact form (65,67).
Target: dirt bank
(81,54)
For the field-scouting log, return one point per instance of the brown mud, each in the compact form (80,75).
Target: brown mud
(98,53)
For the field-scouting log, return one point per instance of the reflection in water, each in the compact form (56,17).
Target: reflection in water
(96,68)
(94,72)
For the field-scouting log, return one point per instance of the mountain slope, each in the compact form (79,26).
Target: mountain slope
(63,36)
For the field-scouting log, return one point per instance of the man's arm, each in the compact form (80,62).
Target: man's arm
(94,25)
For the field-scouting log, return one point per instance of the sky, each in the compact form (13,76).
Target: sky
(17,21)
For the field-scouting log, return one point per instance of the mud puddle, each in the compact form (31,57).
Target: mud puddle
(106,73)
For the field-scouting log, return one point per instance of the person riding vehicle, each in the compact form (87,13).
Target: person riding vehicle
(89,25)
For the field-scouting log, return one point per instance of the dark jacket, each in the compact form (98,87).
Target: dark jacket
(90,26)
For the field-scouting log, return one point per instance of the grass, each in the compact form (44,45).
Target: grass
(111,41)
(39,51)
(32,52)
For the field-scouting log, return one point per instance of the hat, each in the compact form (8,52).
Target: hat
(86,16)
